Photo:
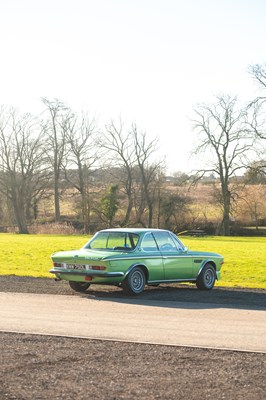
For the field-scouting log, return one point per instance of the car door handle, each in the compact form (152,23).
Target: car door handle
(164,257)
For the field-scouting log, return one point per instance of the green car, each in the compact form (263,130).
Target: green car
(132,258)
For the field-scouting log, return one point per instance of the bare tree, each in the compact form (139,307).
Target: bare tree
(22,166)
(56,142)
(131,152)
(174,210)
(82,154)
(256,173)
(251,204)
(120,151)
(224,134)
(149,172)
(258,72)
(258,120)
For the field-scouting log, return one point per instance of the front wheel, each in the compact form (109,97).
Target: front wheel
(79,286)
(206,278)
(134,282)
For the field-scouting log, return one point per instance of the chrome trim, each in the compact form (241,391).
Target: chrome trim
(177,256)
(203,265)
(176,239)
(132,267)
(85,273)
(144,256)
(172,280)
(140,245)
(160,255)
(133,258)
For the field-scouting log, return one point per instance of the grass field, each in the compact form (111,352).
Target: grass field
(245,257)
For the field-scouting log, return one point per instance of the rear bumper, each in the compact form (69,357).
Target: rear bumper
(88,273)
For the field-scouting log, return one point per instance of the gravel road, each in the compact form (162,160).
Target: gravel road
(47,367)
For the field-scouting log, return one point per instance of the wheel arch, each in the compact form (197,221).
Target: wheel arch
(208,261)
(140,265)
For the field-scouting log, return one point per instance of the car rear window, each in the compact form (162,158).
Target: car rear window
(113,241)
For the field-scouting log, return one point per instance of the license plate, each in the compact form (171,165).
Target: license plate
(76,266)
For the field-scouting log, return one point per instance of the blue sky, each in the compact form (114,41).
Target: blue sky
(149,61)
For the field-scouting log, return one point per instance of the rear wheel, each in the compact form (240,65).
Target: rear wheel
(135,281)
(79,286)
(206,278)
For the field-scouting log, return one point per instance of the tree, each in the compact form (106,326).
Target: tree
(173,208)
(23,173)
(149,172)
(251,204)
(224,134)
(82,154)
(258,72)
(119,146)
(256,173)
(131,152)
(56,143)
(258,122)
(109,205)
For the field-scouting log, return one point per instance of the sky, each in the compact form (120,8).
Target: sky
(147,61)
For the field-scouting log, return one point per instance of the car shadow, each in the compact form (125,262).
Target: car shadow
(179,295)
(186,297)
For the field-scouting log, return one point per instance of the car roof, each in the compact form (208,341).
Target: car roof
(133,230)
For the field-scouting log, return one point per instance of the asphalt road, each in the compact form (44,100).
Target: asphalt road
(149,321)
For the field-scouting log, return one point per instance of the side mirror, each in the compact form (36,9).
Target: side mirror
(185,249)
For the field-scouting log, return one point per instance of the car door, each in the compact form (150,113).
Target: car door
(152,257)
(177,263)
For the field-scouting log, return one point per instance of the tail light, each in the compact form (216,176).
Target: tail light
(58,265)
(97,267)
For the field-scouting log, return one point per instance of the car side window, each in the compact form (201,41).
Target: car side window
(148,243)
(165,242)
(179,245)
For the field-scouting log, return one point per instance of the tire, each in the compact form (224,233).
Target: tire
(206,278)
(135,281)
(79,286)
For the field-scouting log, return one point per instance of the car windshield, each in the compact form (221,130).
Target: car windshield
(121,241)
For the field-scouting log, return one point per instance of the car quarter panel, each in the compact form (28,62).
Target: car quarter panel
(152,261)
(200,259)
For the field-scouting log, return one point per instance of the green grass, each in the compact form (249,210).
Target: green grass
(29,255)
(245,257)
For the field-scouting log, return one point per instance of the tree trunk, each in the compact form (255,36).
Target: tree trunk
(226,212)
(20,218)
(128,212)
(85,212)
(56,199)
